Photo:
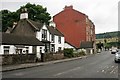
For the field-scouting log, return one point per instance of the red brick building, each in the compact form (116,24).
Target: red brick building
(75,26)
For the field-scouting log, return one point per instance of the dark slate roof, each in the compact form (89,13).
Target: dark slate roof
(9,29)
(54,31)
(35,25)
(10,39)
(45,41)
(88,44)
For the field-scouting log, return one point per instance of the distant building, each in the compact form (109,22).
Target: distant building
(76,27)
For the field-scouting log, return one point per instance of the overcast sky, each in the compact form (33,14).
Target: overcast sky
(104,13)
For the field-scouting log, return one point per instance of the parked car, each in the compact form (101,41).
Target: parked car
(114,50)
(117,57)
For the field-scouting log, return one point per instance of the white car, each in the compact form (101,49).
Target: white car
(117,57)
(113,51)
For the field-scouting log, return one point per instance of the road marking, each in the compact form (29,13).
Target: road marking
(113,71)
(71,70)
(108,69)
(97,71)
(18,74)
(103,70)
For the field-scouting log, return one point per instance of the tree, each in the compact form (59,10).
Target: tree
(8,18)
(35,13)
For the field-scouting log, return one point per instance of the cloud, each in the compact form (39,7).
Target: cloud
(104,13)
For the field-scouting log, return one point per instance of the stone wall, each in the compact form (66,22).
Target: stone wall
(53,56)
(17,58)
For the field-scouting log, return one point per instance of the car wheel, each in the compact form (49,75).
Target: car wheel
(115,61)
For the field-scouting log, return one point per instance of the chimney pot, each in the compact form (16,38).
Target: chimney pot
(68,7)
(24,14)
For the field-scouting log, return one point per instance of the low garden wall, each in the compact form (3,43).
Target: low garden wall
(10,59)
(53,56)
(17,58)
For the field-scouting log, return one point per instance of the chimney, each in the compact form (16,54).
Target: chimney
(24,14)
(52,24)
(68,7)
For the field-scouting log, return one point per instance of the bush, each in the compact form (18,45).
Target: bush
(82,53)
(68,52)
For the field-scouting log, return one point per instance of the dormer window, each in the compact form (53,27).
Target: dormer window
(44,34)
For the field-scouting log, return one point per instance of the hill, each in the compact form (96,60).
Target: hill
(108,35)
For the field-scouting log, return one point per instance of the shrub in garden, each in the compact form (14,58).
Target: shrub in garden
(82,53)
(68,52)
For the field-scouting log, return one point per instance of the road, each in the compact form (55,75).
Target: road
(94,66)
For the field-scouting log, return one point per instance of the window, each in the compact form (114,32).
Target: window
(40,49)
(52,38)
(47,47)
(44,34)
(91,32)
(6,49)
(59,49)
(53,48)
(59,39)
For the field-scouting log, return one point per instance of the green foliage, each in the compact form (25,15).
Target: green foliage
(108,35)
(68,52)
(107,45)
(82,53)
(78,54)
(8,18)
(117,44)
(35,13)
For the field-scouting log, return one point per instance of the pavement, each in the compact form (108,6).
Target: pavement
(29,65)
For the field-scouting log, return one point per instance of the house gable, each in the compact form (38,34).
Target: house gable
(23,28)
(72,24)
(26,27)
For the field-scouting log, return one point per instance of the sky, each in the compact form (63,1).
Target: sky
(103,13)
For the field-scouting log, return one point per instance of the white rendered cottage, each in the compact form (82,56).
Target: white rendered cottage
(50,39)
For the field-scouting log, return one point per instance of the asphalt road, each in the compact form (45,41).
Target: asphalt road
(94,66)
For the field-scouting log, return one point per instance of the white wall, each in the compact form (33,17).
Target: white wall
(57,44)
(11,49)
(66,45)
(39,34)
(30,49)
(38,51)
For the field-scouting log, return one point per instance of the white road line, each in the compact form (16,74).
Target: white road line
(18,74)
(113,70)
(103,70)
(67,71)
